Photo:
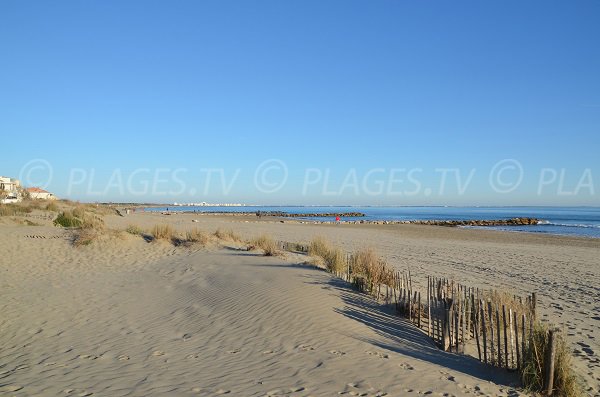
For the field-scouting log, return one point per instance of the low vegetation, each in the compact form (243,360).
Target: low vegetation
(566,383)
(266,244)
(14,209)
(68,219)
(163,232)
(197,236)
(332,258)
(135,230)
(227,235)
(374,269)
(52,206)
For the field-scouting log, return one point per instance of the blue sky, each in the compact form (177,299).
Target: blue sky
(138,100)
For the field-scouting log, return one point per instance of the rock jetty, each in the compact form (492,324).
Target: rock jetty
(449,223)
(315,215)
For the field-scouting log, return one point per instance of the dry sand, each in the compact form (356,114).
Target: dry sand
(123,317)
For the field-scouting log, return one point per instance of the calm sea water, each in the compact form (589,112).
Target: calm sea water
(575,221)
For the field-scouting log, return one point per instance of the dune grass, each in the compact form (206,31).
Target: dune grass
(162,232)
(227,235)
(135,230)
(333,258)
(566,383)
(14,209)
(197,236)
(365,262)
(52,206)
(267,244)
(67,219)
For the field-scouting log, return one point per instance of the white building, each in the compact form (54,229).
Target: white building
(37,193)
(9,190)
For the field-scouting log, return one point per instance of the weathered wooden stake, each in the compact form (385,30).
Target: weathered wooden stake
(491,319)
(446,327)
(475,325)
(498,335)
(512,338)
(549,363)
(419,311)
(429,330)
(517,340)
(505,336)
(523,340)
(484,332)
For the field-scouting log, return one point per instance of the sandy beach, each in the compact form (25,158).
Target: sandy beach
(126,317)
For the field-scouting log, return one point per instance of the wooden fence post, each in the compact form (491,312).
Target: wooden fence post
(505,337)
(429,330)
(446,326)
(549,363)
(499,341)
(484,332)
(475,324)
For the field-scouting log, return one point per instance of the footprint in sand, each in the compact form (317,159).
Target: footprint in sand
(12,388)
(406,366)
(192,356)
(268,352)
(337,352)
(236,351)
(158,353)
(284,392)
(222,391)
(123,357)
(87,357)
(306,348)
(377,354)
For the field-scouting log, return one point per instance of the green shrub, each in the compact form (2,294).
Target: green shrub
(67,219)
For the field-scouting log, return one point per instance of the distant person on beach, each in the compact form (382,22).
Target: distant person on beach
(338,219)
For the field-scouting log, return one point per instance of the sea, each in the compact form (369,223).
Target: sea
(568,221)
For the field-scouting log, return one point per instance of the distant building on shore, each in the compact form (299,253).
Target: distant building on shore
(41,194)
(9,190)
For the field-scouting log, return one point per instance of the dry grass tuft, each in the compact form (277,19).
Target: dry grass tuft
(197,236)
(267,244)
(85,237)
(52,206)
(318,247)
(13,209)
(333,259)
(368,264)
(227,235)
(163,232)
(135,230)
(566,383)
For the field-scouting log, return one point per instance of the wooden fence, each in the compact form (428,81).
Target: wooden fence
(490,325)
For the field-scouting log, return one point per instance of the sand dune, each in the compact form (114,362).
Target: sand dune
(124,317)
(128,318)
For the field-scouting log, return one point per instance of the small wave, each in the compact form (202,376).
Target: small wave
(570,225)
